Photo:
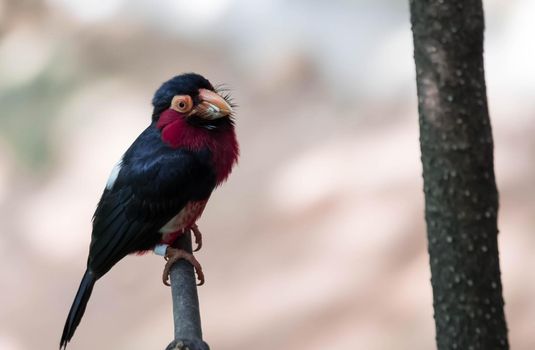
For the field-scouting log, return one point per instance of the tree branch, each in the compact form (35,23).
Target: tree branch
(186,314)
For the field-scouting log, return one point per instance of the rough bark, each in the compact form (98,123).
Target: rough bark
(186,313)
(461,198)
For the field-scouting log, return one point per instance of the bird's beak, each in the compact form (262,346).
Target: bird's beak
(212,106)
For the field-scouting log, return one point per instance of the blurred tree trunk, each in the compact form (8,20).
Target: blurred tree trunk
(461,199)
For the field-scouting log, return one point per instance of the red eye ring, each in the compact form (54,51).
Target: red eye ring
(182,103)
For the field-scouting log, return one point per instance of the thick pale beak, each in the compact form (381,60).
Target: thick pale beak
(212,106)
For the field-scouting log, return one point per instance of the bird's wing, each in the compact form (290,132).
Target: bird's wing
(144,196)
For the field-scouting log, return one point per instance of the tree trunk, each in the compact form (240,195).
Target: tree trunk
(461,199)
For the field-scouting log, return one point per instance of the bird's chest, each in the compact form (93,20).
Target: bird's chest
(183,220)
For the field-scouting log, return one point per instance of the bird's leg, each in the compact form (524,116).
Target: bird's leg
(198,236)
(172,255)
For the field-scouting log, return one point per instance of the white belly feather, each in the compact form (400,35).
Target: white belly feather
(185,218)
(175,224)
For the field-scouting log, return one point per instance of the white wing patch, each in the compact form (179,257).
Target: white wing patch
(114,173)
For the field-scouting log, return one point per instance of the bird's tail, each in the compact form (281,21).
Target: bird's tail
(78,307)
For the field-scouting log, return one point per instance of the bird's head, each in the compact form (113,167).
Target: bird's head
(191,98)
(191,113)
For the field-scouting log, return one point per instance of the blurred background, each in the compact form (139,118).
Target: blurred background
(318,239)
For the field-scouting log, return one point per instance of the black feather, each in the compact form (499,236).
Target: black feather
(154,183)
(78,308)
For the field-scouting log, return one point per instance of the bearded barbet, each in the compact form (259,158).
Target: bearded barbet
(160,187)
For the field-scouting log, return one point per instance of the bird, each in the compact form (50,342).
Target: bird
(160,186)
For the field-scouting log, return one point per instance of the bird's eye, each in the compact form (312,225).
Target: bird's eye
(182,103)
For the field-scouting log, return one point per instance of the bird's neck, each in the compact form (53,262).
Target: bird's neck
(221,142)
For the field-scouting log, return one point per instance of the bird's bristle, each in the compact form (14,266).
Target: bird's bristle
(224,91)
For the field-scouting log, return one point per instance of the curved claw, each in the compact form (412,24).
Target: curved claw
(172,255)
(198,237)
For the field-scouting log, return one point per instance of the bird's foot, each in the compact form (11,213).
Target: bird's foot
(198,236)
(172,255)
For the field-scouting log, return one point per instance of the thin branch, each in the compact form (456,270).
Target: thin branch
(186,314)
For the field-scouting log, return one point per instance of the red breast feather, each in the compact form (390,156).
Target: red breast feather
(221,142)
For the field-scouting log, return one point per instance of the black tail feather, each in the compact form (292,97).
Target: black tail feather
(78,307)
